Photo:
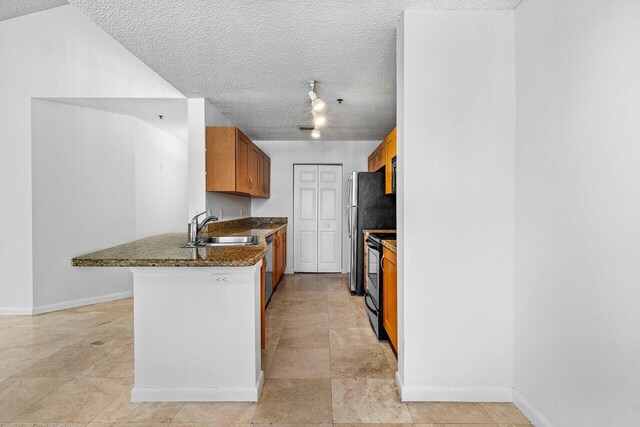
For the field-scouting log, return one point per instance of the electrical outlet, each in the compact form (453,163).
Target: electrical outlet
(221,279)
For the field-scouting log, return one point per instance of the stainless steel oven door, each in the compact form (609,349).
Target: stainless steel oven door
(373,273)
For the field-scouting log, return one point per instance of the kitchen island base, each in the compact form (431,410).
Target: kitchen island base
(197,334)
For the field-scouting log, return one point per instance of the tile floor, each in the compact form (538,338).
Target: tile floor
(323,367)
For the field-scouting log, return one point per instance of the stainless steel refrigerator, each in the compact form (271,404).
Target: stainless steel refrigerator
(368,207)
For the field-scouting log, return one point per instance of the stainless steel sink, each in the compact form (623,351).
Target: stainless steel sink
(224,241)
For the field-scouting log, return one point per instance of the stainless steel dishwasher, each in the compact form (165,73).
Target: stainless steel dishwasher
(269,271)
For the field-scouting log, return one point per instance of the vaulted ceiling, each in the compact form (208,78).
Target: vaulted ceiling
(253,59)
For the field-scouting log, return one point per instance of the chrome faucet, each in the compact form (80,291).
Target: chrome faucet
(195,227)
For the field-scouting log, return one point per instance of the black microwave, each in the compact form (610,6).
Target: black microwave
(393,174)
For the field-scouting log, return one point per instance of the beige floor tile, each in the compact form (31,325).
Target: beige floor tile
(360,362)
(291,425)
(18,394)
(303,363)
(320,297)
(272,336)
(304,337)
(372,425)
(78,400)
(7,322)
(98,361)
(505,413)
(216,413)
(352,337)
(307,320)
(266,359)
(391,357)
(307,308)
(108,335)
(367,401)
(275,321)
(15,360)
(279,307)
(122,410)
(207,425)
(44,424)
(341,319)
(295,401)
(449,412)
(25,336)
(455,425)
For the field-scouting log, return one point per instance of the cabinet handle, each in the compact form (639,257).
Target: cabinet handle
(250,182)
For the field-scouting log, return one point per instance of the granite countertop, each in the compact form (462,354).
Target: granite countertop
(391,245)
(165,250)
(367,232)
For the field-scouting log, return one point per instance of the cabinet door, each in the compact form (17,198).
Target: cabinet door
(266,177)
(390,296)
(390,151)
(261,157)
(263,297)
(243,146)
(276,259)
(254,160)
(283,251)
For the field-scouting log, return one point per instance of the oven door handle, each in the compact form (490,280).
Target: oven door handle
(366,302)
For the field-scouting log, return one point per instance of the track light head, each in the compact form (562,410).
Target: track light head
(315,133)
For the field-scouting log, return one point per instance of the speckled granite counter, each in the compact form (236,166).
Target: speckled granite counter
(165,250)
(391,245)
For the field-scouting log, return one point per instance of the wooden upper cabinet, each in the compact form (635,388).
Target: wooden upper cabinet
(266,176)
(254,168)
(235,165)
(243,146)
(381,158)
(390,151)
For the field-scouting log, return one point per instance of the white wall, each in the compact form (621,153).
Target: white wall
(54,53)
(577,298)
(456,144)
(99,179)
(351,154)
(202,114)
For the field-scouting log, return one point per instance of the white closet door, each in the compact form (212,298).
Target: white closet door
(329,218)
(305,218)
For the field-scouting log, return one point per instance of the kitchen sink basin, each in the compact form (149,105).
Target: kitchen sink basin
(224,241)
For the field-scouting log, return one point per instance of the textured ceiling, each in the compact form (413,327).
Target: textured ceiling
(173,110)
(14,8)
(252,59)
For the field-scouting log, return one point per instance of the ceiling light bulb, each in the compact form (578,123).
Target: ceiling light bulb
(319,120)
(317,104)
(315,133)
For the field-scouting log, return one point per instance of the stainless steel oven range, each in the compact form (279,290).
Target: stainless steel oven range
(373,289)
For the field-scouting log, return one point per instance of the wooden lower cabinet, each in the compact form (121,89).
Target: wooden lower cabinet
(390,296)
(279,255)
(263,297)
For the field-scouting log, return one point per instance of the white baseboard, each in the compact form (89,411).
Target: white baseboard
(16,311)
(213,394)
(28,311)
(536,418)
(453,394)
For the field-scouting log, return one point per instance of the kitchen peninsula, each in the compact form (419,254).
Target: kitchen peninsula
(197,312)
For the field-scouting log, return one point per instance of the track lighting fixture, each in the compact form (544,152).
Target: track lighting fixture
(317,104)
(318,119)
(315,133)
